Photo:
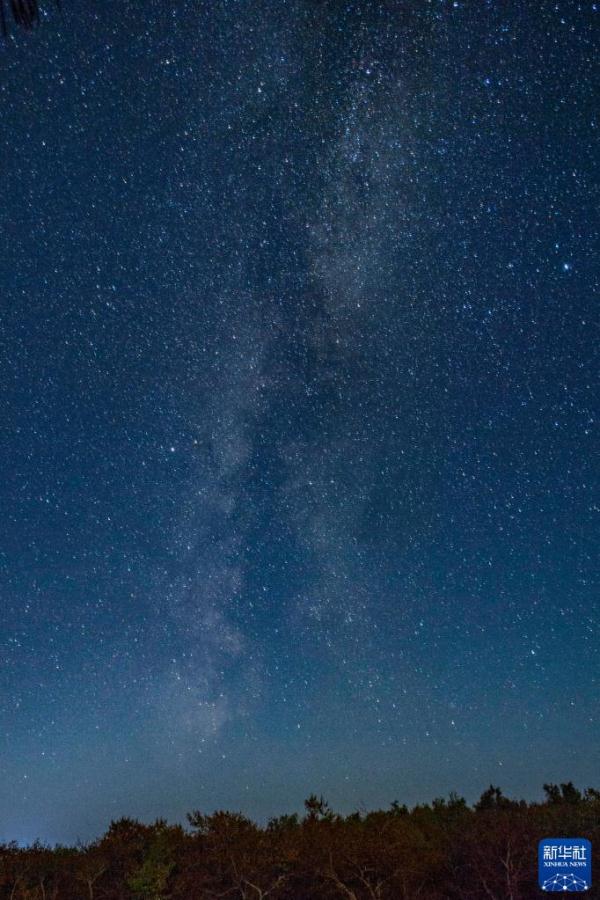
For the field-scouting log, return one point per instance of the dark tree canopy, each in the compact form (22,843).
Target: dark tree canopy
(443,850)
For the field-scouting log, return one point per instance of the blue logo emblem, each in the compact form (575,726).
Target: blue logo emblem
(565,865)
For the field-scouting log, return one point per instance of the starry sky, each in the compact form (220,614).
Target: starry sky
(298,370)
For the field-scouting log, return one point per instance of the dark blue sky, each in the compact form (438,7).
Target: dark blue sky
(298,365)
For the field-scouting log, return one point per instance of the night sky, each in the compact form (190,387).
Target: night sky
(298,370)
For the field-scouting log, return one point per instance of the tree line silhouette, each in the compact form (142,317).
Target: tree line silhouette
(445,849)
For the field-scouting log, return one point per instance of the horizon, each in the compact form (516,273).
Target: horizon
(299,810)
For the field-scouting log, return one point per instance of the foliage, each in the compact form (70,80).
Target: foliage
(445,849)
